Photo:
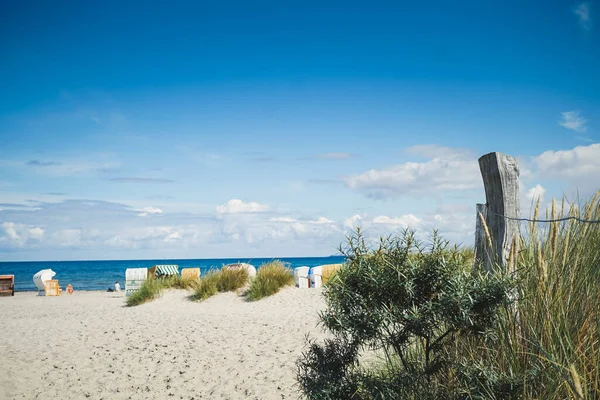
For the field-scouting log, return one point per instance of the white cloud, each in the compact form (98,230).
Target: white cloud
(447,169)
(157,237)
(574,121)
(536,193)
(36,233)
(354,221)
(322,220)
(235,206)
(92,229)
(11,232)
(583,12)
(67,237)
(144,212)
(405,221)
(20,235)
(581,163)
(282,219)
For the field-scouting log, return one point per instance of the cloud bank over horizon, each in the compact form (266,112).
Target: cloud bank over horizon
(70,228)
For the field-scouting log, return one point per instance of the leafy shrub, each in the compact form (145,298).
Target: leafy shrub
(270,278)
(150,289)
(411,304)
(232,278)
(207,287)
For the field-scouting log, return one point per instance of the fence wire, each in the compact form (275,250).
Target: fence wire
(585,221)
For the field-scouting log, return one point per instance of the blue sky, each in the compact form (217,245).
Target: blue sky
(230,129)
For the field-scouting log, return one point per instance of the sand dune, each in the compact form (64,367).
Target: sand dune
(88,345)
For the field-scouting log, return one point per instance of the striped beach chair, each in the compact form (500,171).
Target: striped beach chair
(166,270)
(134,279)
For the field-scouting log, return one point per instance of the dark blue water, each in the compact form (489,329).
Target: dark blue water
(99,275)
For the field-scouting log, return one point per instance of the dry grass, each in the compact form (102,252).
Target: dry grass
(150,290)
(270,278)
(224,280)
(231,279)
(207,287)
(550,339)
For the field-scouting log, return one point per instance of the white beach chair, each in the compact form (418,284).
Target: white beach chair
(301,277)
(316,274)
(134,279)
(40,278)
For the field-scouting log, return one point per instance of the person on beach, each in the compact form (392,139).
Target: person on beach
(117,286)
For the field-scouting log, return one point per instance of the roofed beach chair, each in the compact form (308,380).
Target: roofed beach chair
(166,270)
(40,278)
(7,285)
(152,272)
(190,273)
(301,277)
(315,275)
(134,279)
(249,267)
(51,288)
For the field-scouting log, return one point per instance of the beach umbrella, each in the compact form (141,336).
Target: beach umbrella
(42,276)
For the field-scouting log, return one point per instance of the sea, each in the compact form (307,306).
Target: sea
(101,275)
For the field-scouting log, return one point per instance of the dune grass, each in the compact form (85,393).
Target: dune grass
(556,331)
(270,278)
(177,282)
(232,279)
(150,290)
(207,287)
(224,280)
(547,345)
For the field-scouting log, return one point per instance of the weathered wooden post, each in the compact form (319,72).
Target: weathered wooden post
(500,174)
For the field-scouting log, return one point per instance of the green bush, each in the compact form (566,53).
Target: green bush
(412,306)
(207,287)
(270,278)
(151,289)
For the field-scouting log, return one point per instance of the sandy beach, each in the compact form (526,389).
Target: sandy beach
(89,345)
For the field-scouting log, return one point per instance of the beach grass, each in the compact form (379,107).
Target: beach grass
(270,278)
(177,282)
(207,287)
(224,280)
(232,279)
(552,338)
(150,290)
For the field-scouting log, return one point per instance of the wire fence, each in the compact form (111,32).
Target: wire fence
(586,221)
